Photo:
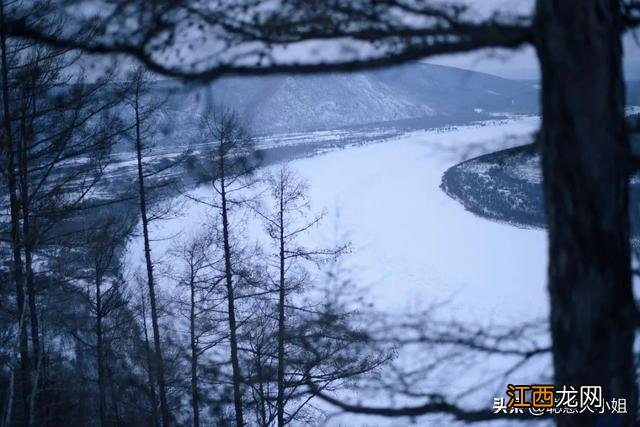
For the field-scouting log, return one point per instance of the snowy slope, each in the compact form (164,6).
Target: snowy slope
(412,93)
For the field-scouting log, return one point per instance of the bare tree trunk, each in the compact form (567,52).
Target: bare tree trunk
(6,417)
(34,392)
(235,363)
(194,354)
(114,398)
(151,379)
(35,339)
(164,409)
(585,154)
(100,350)
(27,137)
(28,258)
(16,243)
(281,319)
(262,413)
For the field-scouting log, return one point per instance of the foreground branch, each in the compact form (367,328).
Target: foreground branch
(435,405)
(223,40)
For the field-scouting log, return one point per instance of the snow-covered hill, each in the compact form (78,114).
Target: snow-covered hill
(411,94)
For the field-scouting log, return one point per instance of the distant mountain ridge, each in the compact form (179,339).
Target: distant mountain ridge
(414,91)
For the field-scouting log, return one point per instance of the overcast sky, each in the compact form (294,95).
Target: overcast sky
(523,64)
(520,64)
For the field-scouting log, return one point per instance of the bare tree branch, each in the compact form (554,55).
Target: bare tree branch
(435,405)
(203,41)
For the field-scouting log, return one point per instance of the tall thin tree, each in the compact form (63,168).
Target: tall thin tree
(233,161)
(9,151)
(138,109)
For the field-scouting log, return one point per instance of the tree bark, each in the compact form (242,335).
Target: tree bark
(28,137)
(27,237)
(262,413)
(151,377)
(114,397)
(281,299)
(235,363)
(100,351)
(164,409)
(585,152)
(194,353)
(16,242)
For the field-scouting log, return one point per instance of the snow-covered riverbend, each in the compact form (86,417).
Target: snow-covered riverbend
(411,243)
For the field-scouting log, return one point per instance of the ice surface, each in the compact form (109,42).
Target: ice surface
(412,244)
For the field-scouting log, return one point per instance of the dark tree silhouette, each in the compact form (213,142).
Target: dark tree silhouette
(584,140)
(297,339)
(232,163)
(9,161)
(142,111)
(44,124)
(199,257)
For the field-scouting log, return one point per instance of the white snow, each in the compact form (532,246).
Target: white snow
(412,244)
(528,170)
(631,110)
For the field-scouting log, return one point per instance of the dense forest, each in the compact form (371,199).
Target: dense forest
(89,341)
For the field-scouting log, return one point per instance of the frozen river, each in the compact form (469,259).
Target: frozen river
(412,245)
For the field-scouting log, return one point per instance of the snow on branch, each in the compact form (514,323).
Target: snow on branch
(203,40)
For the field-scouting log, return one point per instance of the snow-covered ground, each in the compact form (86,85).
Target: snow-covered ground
(411,243)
